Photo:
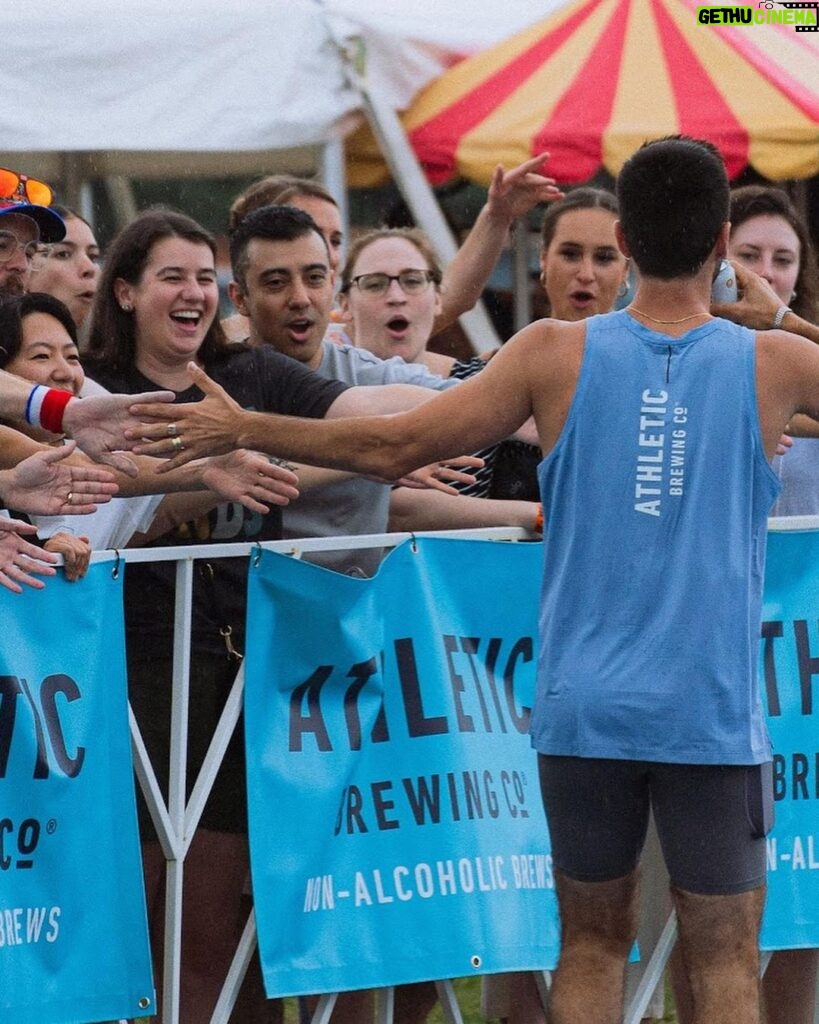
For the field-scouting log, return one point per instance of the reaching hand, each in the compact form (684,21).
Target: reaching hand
(19,558)
(45,484)
(76,552)
(251,479)
(181,433)
(435,475)
(98,424)
(514,193)
(757,302)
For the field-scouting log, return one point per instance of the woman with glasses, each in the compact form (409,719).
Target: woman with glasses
(391,295)
(69,269)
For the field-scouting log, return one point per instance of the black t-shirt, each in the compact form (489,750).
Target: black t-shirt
(265,381)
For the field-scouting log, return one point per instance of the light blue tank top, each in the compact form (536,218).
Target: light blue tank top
(655,498)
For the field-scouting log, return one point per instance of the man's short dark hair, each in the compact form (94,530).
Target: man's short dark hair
(274,223)
(673,196)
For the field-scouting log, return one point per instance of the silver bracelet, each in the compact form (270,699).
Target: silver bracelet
(779,316)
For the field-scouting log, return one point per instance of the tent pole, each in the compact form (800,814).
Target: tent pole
(415,188)
(123,201)
(335,179)
(522,287)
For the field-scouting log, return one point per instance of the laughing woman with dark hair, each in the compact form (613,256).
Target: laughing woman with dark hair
(156,311)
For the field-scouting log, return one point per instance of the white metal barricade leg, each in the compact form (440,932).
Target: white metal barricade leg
(449,1002)
(385,1005)
(654,910)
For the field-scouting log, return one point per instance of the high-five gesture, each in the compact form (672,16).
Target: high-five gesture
(98,424)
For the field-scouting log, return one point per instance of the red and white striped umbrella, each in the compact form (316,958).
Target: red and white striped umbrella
(595,79)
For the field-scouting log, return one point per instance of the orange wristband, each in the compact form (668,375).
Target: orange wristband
(539,519)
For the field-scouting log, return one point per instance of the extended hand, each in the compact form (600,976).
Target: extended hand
(98,424)
(45,484)
(757,304)
(182,433)
(435,475)
(251,479)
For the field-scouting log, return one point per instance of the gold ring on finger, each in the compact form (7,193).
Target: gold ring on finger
(70,498)
(177,444)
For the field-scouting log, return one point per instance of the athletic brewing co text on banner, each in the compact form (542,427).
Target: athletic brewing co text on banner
(396,827)
(789,674)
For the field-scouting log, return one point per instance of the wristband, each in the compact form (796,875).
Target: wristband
(779,316)
(45,408)
(35,400)
(539,519)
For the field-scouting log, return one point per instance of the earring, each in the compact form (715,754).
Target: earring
(542,279)
(622,291)
(793,295)
(126,307)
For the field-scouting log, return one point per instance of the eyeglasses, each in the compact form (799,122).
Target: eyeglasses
(9,246)
(63,252)
(410,281)
(20,188)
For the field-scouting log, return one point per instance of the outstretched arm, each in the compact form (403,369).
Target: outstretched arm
(480,411)
(241,476)
(97,423)
(431,510)
(512,194)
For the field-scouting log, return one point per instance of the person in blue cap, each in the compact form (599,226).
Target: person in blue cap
(25,221)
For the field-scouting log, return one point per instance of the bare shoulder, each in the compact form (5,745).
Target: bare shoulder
(781,354)
(550,347)
(787,374)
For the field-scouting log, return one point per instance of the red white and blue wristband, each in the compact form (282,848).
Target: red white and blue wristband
(45,408)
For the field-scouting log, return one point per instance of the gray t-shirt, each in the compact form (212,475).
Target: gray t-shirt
(356,506)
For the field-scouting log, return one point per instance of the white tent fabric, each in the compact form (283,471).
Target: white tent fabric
(169,75)
(138,88)
(205,75)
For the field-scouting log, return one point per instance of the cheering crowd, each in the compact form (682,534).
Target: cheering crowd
(499,441)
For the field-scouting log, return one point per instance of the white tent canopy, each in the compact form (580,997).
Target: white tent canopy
(143,88)
(208,76)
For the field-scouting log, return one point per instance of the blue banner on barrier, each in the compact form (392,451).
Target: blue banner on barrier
(396,827)
(789,665)
(73,933)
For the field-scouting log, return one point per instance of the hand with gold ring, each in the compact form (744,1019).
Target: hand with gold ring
(46,484)
(176,443)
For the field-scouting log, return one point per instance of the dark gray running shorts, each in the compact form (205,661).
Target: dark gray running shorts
(711,819)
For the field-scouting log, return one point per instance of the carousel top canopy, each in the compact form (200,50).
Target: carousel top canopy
(595,79)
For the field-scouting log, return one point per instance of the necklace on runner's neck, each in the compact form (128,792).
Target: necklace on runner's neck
(667,323)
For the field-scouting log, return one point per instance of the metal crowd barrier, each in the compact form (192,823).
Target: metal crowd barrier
(177,820)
